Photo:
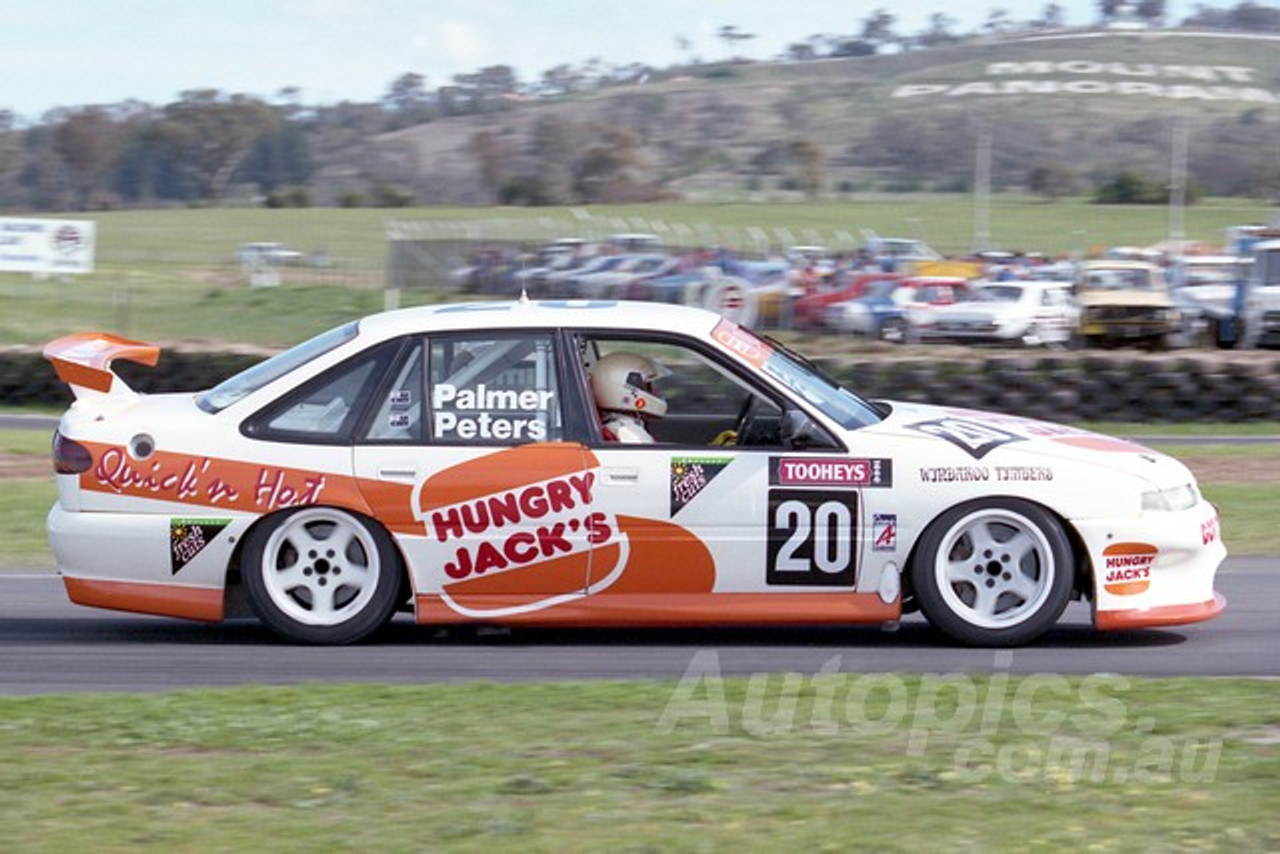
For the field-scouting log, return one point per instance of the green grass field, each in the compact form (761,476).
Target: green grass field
(799,762)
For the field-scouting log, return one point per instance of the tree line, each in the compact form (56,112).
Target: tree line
(208,145)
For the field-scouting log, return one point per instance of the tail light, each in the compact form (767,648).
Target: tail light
(70,457)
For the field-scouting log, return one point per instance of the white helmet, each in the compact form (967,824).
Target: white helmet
(623,382)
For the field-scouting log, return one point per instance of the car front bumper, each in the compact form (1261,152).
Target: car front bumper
(1157,571)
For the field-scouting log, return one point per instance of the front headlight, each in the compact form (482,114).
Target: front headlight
(1171,500)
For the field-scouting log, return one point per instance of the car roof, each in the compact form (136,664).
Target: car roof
(542,314)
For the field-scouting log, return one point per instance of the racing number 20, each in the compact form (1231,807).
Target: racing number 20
(812,538)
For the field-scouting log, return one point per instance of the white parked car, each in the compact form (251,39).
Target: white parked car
(1029,313)
(253,255)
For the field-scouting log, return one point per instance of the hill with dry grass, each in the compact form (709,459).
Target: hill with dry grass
(1063,114)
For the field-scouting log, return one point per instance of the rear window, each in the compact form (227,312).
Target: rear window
(251,379)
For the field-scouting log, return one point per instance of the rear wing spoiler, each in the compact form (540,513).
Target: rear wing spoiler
(83,361)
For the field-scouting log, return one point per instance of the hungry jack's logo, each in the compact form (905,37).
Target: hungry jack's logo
(519,530)
(1127,568)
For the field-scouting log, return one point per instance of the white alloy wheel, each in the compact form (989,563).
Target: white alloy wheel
(321,575)
(993,573)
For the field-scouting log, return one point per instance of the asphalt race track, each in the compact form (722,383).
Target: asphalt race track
(48,645)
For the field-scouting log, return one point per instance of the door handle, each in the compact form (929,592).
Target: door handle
(398,473)
(622,475)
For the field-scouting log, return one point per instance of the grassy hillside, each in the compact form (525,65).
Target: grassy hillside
(708,133)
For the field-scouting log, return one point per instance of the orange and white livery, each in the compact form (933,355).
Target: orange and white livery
(450,460)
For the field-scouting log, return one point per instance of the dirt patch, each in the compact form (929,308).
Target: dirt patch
(24,465)
(1237,470)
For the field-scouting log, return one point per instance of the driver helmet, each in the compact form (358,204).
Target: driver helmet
(623,382)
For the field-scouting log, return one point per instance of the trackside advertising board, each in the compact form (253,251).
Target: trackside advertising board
(49,246)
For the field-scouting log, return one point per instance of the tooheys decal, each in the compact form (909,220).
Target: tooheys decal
(830,471)
(188,537)
(690,475)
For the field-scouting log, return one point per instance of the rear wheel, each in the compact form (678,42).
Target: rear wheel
(321,575)
(994,572)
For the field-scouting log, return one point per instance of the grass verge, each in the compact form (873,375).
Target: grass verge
(24,504)
(774,762)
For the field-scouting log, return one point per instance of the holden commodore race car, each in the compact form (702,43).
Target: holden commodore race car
(451,461)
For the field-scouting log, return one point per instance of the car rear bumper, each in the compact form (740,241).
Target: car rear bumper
(170,565)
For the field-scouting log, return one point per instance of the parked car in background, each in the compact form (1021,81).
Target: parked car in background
(1018,312)
(561,254)
(1261,299)
(895,253)
(1125,302)
(810,310)
(922,296)
(252,255)
(613,284)
(1205,289)
(876,314)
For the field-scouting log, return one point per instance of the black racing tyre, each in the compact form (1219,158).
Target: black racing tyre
(993,572)
(321,575)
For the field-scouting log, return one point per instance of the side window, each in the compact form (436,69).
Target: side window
(491,388)
(325,409)
(703,402)
(399,416)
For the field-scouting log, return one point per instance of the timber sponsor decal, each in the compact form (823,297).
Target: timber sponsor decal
(983,474)
(188,537)
(1088,77)
(1127,568)
(830,471)
(522,525)
(690,475)
(213,482)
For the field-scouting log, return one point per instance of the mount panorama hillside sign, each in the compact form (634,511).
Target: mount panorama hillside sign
(1087,77)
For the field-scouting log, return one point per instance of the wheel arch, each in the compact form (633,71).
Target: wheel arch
(233,593)
(1082,566)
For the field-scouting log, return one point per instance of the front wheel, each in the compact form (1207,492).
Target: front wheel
(995,572)
(321,575)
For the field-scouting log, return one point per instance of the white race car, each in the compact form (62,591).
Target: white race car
(449,460)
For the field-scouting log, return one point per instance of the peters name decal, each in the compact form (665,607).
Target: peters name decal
(493,414)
